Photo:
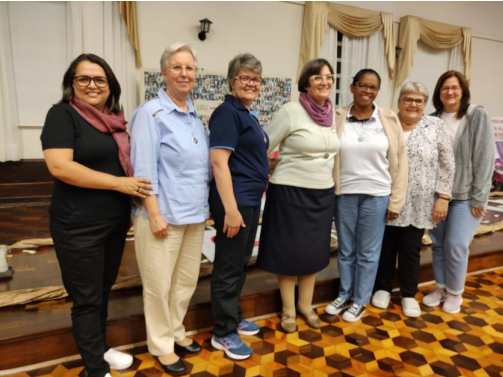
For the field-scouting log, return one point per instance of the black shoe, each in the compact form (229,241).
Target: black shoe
(192,348)
(176,369)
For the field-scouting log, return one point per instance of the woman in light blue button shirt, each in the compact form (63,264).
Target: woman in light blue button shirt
(169,145)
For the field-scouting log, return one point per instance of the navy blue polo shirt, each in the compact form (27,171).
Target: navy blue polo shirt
(233,127)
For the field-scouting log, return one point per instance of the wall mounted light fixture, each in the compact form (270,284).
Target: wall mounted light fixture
(205,28)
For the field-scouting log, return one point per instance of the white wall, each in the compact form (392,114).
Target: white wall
(269,30)
(272,32)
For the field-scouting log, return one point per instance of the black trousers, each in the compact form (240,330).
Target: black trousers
(89,257)
(229,268)
(406,242)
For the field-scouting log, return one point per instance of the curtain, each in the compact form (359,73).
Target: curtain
(10,148)
(328,51)
(456,59)
(365,52)
(351,21)
(98,28)
(434,34)
(128,13)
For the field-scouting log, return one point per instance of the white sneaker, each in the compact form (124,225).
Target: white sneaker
(337,306)
(380,299)
(410,307)
(118,360)
(452,303)
(108,375)
(434,298)
(354,313)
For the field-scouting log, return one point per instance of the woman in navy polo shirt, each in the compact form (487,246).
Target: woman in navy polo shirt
(238,154)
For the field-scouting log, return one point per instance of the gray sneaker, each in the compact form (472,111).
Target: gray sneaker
(337,306)
(354,313)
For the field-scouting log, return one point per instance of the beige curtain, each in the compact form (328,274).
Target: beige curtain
(434,34)
(128,12)
(351,21)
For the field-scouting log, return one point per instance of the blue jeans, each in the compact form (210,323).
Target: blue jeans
(451,239)
(360,221)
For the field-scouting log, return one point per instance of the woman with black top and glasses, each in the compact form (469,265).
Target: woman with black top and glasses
(86,149)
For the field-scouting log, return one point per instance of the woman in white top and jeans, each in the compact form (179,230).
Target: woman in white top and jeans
(472,137)
(370,177)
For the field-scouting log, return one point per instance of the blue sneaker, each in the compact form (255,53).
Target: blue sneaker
(232,345)
(248,328)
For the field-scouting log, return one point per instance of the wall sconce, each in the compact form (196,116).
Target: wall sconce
(205,28)
(398,51)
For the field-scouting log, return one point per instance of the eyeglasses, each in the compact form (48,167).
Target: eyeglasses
(243,79)
(419,102)
(318,79)
(178,69)
(445,89)
(372,88)
(85,81)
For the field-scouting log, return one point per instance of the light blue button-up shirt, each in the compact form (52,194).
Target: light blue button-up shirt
(171,148)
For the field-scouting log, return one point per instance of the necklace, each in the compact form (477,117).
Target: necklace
(327,145)
(193,133)
(360,135)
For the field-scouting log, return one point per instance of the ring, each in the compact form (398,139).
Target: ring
(138,189)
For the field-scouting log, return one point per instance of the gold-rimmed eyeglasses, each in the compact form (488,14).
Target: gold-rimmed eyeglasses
(85,81)
(243,79)
(318,79)
(178,69)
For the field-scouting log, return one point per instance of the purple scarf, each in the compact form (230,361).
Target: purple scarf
(109,123)
(322,115)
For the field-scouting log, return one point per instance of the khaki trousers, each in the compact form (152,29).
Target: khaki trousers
(169,269)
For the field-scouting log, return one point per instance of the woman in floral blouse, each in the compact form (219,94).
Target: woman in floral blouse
(431,173)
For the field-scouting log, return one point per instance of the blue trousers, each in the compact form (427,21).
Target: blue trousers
(360,221)
(451,240)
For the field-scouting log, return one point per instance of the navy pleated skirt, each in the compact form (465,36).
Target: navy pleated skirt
(296,226)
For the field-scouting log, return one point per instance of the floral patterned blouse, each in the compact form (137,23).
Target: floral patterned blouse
(431,171)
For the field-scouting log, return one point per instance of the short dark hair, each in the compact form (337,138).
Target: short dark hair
(247,61)
(465,98)
(363,72)
(114,86)
(313,67)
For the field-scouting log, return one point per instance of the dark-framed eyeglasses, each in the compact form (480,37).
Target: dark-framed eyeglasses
(244,79)
(85,81)
(318,79)
(363,86)
(445,89)
(420,102)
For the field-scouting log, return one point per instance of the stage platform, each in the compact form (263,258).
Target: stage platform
(38,332)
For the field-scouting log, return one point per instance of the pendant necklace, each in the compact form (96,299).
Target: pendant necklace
(327,145)
(360,135)
(193,133)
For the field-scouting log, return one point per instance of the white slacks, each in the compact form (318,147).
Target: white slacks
(169,269)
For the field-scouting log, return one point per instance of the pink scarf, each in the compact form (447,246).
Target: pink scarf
(322,115)
(109,123)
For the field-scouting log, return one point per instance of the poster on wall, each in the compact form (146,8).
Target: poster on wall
(497,123)
(210,90)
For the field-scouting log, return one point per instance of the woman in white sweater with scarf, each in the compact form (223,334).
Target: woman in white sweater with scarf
(297,220)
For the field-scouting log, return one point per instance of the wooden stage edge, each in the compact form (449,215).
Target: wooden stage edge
(127,325)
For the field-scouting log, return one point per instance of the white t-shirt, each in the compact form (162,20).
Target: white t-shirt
(452,124)
(364,162)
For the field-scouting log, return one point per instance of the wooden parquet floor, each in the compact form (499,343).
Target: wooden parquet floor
(384,343)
